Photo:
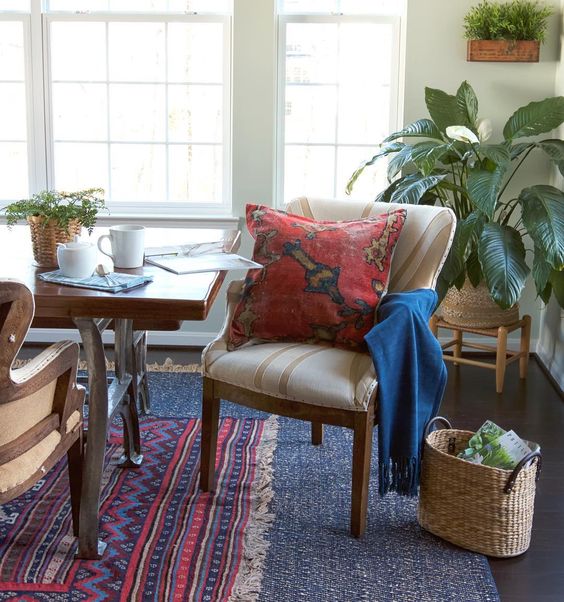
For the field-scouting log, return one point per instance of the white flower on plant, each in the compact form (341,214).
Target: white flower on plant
(462,134)
(484,128)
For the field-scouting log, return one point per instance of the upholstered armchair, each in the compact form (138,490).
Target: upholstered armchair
(40,404)
(320,384)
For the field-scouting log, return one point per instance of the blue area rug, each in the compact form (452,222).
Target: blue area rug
(311,555)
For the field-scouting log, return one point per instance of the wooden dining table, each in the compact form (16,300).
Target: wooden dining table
(162,304)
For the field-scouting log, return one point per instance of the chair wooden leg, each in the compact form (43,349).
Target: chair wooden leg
(362,452)
(501,358)
(457,352)
(74,459)
(525,346)
(210,421)
(316,433)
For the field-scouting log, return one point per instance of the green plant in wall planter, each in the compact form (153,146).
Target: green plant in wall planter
(447,160)
(510,31)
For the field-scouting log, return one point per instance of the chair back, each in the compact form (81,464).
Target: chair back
(422,247)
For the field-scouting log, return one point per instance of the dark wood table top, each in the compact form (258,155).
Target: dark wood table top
(169,297)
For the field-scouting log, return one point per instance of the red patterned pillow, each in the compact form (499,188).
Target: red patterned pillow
(321,281)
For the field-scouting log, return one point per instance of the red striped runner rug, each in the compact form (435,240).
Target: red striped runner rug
(166,539)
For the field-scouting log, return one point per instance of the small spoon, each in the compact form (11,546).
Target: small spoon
(102,270)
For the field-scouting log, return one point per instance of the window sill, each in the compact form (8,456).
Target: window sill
(170,220)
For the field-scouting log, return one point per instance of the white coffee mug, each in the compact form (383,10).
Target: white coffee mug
(76,259)
(128,245)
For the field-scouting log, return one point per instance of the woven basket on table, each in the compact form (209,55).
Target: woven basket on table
(483,509)
(45,236)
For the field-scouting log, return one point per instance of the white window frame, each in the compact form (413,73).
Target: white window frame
(396,83)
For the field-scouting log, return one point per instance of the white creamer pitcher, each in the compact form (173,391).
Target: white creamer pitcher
(77,259)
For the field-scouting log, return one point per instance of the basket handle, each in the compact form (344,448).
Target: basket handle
(431,423)
(530,456)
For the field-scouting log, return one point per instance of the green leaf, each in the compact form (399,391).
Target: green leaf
(557,282)
(502,256)
(385,149)
(555,150)
(516,150)
(386,194)
(498,153)
(399,161)
(483,187)
(443,108)
(454,263)
(413,187)
(467,104)
(542,209)
(426,154)
(422,128)
(535,118)
(474,269)
(541,273)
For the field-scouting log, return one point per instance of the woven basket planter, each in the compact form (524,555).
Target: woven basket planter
(474,308)
(483,509)
(45,236)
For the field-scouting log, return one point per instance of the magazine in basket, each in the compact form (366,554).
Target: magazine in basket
(493,446)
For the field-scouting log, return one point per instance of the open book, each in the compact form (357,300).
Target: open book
(180,263)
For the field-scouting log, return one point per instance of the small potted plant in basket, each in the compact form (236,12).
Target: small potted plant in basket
(508,32)
(55,217)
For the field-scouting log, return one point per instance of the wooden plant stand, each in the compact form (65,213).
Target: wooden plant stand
(503,355)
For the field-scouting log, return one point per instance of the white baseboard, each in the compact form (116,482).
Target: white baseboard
(178,338)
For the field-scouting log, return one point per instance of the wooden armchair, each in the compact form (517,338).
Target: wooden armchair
(41,405)
(323,385)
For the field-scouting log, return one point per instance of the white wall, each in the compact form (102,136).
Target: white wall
(550,346)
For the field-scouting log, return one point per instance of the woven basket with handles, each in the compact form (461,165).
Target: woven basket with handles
(45,236)
(483,509)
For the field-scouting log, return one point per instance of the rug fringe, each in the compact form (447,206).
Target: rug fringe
(167,366)
(248,582)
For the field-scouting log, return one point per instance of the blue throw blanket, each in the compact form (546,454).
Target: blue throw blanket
(411,381)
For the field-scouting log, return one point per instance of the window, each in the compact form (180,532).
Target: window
(13,102)
(338,91)
(135,103)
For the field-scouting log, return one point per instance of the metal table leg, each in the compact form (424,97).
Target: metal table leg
(89,544)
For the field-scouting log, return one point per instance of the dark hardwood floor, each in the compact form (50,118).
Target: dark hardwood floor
(534,408)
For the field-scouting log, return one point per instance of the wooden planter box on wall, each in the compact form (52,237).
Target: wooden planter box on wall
(516,51)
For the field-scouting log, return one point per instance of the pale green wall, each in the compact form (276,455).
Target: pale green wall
(435,56)
(551,337)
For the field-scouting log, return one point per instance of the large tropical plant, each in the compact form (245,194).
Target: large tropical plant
(445,160)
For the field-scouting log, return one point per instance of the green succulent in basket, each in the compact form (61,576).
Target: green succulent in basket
(60,207)
(445,160)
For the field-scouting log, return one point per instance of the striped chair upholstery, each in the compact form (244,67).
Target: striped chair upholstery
(313,382)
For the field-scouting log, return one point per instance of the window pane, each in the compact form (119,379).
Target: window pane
(138,172)
(195,173)
(195,113)
(13,159)
(89,64)
(136,52)
(137,112)
(195,52)
(11,51)
(371,182)
(80,112)
(12,112)
(375,7)
(80,166)
(311,53)
(309,170)
(21,6)
(331,98)
(159,6)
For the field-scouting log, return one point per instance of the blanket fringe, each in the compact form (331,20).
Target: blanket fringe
(248,582)
(399,475)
